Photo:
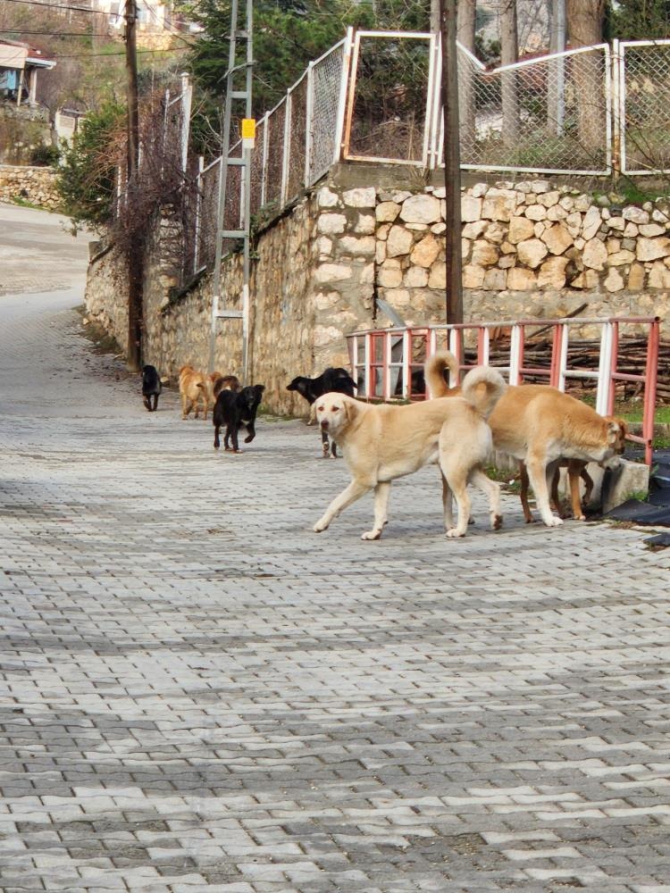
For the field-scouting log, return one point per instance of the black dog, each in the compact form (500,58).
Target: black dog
(151,387)
(331,379)
(235,410)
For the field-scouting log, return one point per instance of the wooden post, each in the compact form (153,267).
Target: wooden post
(452,163)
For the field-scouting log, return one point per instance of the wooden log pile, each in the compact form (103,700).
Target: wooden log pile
(586,355)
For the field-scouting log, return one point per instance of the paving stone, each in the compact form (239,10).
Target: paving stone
(202,694)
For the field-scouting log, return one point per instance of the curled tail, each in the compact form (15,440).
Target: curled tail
(483,387)
(434,369)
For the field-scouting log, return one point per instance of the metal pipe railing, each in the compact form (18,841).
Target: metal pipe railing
(386,352)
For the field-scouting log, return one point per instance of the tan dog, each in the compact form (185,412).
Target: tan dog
(221,382)
(576,470)
(384,442)
(540,425)
(194,391)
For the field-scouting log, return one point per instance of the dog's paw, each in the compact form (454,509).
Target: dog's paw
(496,522)
(371,535)
(454,533)
(319,527)
(554,522)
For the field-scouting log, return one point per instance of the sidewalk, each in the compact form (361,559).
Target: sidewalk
(201,694)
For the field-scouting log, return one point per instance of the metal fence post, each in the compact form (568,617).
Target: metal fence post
(198,213)
(309,123)
(604,369)
(287,151)
(614,100)
(343,95)
(186,103)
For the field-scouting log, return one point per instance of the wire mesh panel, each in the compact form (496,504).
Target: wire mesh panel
(172,126)
(326,89)
(388,113)
(645,103)
(208,197)
(551,114)
(258,168)
(233,211)
(297,140)
(275,161)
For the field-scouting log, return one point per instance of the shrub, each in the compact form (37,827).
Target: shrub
(44,156)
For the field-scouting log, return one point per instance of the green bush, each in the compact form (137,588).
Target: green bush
(87,180)
(44,156)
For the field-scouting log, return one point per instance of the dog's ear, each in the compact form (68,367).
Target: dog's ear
(259,389)
(351,407)
(615,433)
(623,425)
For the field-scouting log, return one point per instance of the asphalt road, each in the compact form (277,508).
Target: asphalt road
(201,694)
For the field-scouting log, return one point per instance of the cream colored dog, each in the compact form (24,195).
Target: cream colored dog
(194,388)
(539,425)
(384,442)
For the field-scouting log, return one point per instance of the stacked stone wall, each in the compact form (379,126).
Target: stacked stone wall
(350,257)
(36,185)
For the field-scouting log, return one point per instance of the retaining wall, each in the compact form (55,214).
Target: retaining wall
(530,250)
(36,185)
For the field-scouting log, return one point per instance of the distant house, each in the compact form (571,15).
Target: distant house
(19,66)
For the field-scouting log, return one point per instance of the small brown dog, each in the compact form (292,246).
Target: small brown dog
(224,383)
(194,391)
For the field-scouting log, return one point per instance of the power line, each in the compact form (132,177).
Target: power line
(50,33)
(111,55)
(169,27)
(54,5)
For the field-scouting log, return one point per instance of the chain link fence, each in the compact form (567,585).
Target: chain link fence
(551,114)
(645,107)
(205,222)
(327,109)
(376,97)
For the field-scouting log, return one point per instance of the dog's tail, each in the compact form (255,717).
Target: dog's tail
(483,387)
(434,369)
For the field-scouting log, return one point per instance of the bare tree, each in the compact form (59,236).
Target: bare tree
(509,54)
(585,28)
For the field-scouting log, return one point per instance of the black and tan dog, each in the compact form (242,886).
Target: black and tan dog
(332,379)
(235,410)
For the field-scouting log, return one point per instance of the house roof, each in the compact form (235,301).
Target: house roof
(14,54)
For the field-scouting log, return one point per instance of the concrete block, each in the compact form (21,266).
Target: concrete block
(611,487)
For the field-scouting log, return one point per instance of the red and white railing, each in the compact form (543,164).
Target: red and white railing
(388,363)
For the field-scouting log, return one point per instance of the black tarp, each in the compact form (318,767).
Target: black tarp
(656,510)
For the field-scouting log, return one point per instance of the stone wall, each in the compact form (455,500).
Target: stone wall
(36,185)
(529,250)
(352,256)
(106,295)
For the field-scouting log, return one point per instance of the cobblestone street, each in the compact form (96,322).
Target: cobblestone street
(201,694)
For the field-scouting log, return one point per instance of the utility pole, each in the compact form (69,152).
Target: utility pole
(135,256)
(452,163)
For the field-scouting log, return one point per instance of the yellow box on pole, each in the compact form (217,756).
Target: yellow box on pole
(248,132)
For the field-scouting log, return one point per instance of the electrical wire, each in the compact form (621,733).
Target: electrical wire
(53,5)
(113,55)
